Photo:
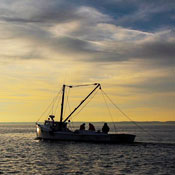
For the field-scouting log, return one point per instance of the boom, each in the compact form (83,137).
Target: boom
(97,85)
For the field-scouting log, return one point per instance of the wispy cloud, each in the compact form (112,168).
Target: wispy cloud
(85,31)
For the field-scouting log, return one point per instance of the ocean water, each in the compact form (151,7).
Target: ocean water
(152,153)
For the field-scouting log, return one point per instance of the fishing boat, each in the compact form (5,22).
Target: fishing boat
(58,130)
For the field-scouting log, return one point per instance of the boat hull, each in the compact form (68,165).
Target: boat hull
(83,136)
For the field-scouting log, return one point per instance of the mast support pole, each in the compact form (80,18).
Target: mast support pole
(62,103)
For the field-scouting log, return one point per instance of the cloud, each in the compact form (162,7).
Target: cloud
(36,11)
(158,48)
(153,85)
(163,50)
(43,11)
(74,30)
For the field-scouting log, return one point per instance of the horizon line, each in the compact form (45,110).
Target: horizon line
(103,122)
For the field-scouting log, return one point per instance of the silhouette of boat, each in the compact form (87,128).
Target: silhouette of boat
(58,130)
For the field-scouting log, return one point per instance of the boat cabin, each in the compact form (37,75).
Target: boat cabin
(56,126)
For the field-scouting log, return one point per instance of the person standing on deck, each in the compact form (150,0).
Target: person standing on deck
(91,127)
(105,128)
(82,127)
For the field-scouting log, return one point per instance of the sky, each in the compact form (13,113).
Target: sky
(126,45)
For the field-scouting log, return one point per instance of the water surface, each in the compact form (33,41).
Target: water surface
(20,153)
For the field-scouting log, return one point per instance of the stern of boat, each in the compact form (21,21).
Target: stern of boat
(122,138)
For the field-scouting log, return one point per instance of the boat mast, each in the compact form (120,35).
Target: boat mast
(62,103)
(98,85)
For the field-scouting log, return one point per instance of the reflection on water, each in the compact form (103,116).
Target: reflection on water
(22,154)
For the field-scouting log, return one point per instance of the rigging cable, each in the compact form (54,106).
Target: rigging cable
(67,94)
(109,111)
(85,104)
(67,104)
(56,108)
(53,102)
(130,118)
(48,107)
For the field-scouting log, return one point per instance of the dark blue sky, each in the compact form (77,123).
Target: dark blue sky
(145,15)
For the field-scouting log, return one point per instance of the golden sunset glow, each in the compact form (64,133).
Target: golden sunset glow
(40,52)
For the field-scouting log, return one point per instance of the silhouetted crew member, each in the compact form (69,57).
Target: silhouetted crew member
(82,127)
(91,127)
(105,128)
